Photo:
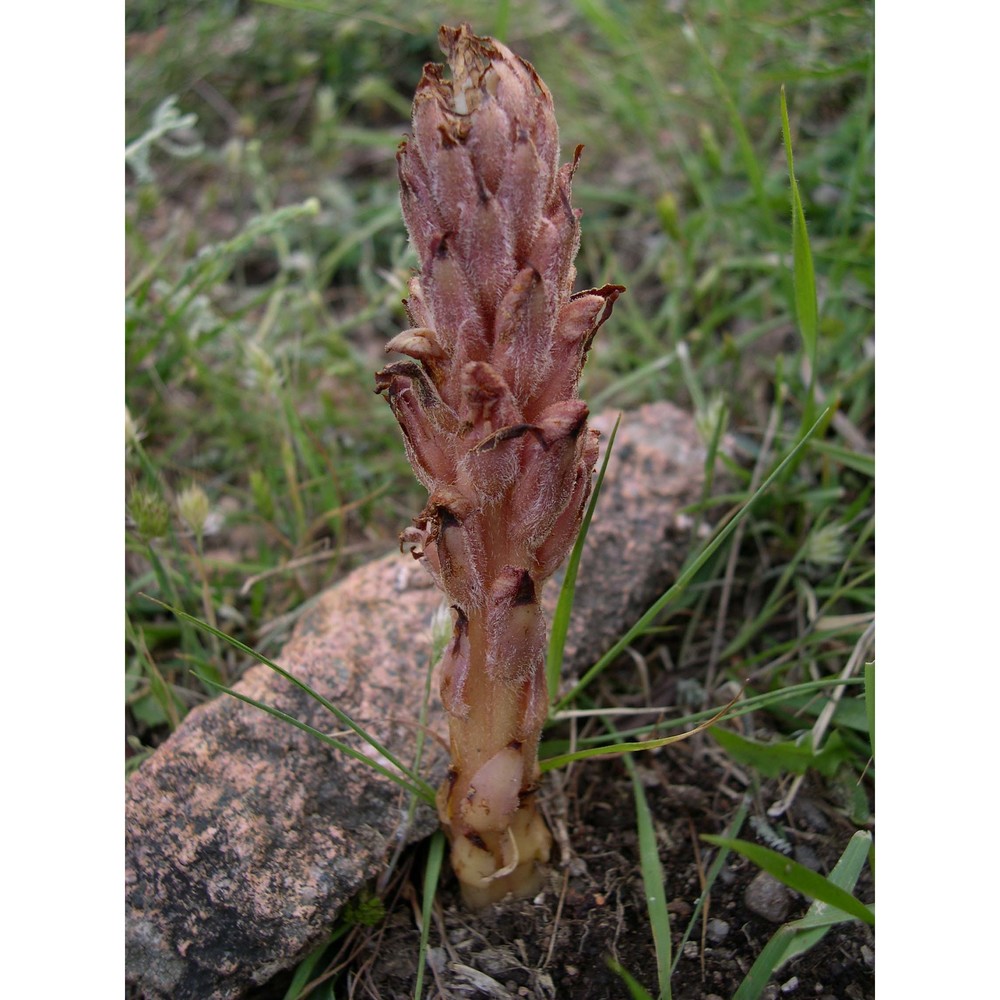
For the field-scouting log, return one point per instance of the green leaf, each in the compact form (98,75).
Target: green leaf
(799,936)
(797,877)
(653,882)
(803,276)
(435,857)
(849,458)
(784,756)
(766,965)
(308,965)
(636,990)
(848,714)
(148,710)
(870,702)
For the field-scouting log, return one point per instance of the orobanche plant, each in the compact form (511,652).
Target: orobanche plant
(487,402)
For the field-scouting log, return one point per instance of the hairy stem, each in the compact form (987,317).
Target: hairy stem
(487,402)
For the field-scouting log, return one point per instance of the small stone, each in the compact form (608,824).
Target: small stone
(690,949)
(717,930)
(791,986)
(727,876)
(768,898)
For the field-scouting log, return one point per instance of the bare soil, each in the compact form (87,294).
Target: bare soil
(593,907)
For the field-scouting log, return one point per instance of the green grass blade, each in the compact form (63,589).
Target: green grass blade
(308,964)
(609,23)
(653,882)
(435,857)
(745,707)
(799,936)
(611,750)
(157,684)
(501,18)
(750,162)
(564,607)
(424,791)
(784,756)
(629,748)
(870,702)
(425,702)
(688,574)
(859,462)
(797,877)
(803,275)
(636,990)
(338,713)
(765,966)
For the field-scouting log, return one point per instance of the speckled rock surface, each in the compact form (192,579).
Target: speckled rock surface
(245,836)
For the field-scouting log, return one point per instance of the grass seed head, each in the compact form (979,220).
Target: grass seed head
(150,514)
(193,507)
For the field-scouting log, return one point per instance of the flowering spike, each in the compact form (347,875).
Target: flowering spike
(493,426)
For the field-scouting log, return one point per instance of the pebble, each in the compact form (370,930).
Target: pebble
(768,898)
(791,986)
(717,930)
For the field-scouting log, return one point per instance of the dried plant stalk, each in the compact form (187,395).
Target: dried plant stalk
(493,426)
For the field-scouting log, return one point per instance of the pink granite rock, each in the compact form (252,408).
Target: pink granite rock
(245,837)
